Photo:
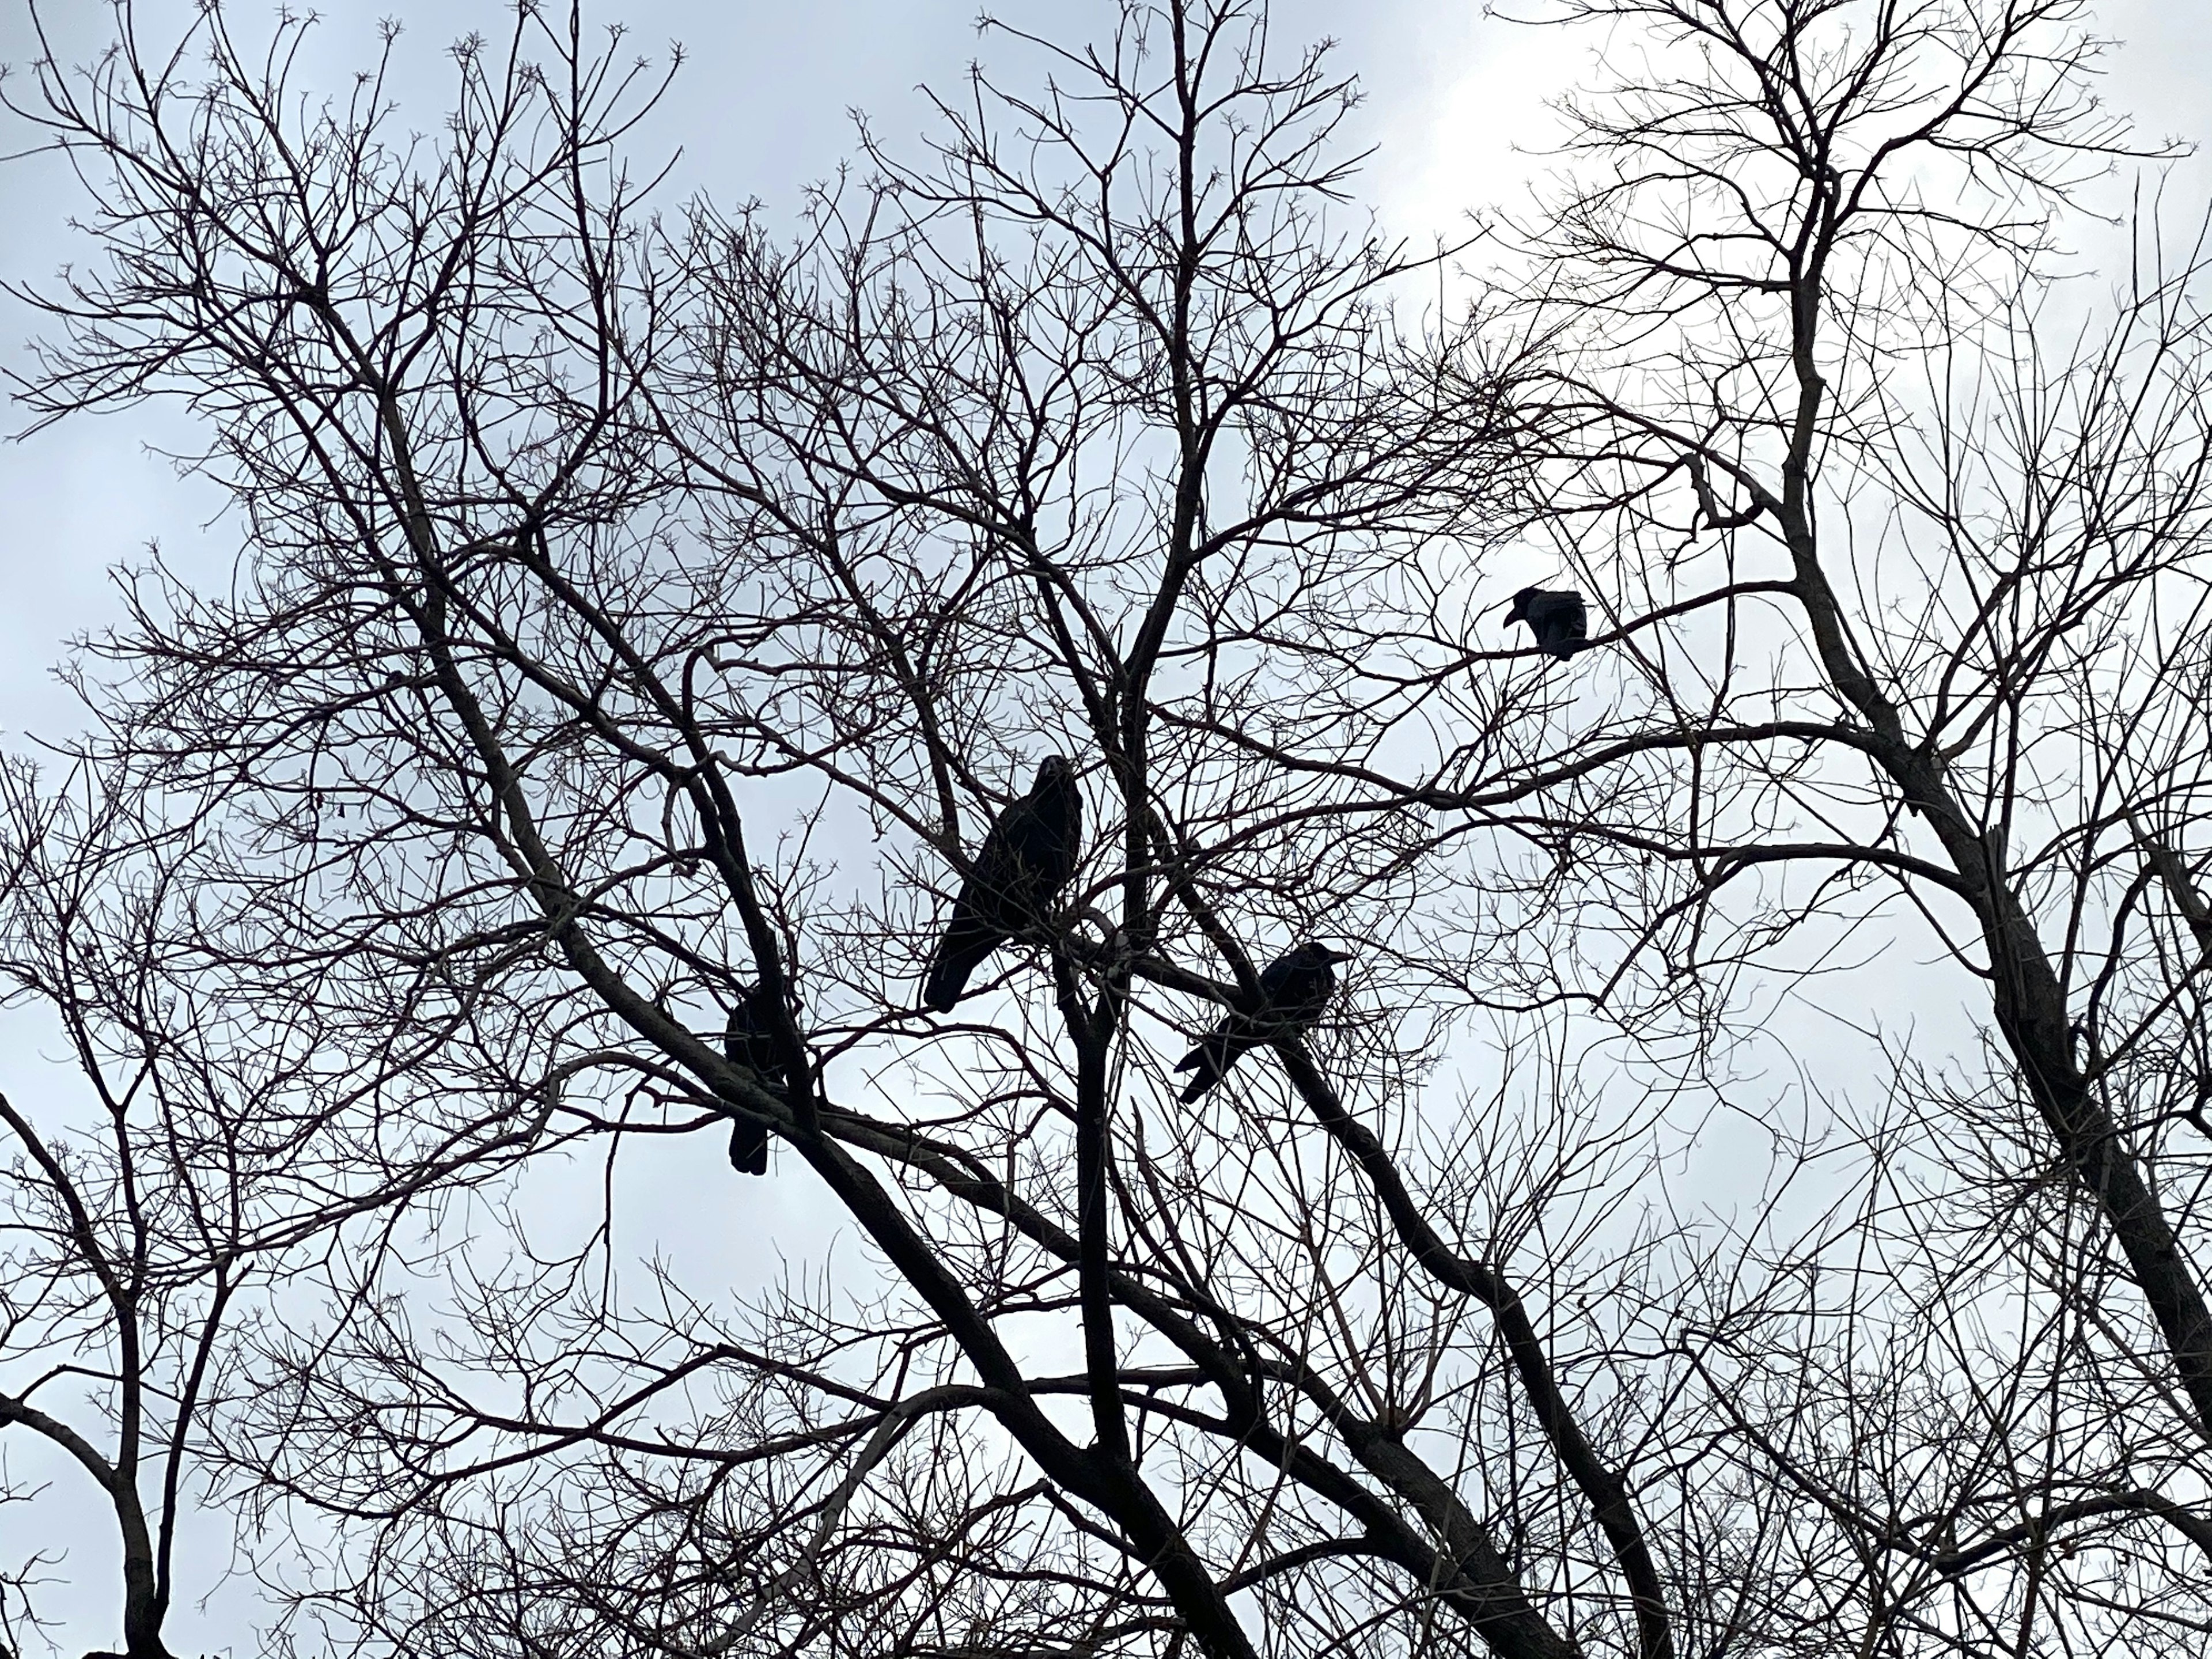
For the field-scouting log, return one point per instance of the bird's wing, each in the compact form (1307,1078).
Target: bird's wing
(747,1042)
(1048,833)
(1062,820)
(969,938)
(1001,870)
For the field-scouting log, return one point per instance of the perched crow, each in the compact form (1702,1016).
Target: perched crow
(1027,858)
(749,1043)
(1293,990)
(1556,617)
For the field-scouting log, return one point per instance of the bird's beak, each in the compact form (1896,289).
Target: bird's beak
(1336,956)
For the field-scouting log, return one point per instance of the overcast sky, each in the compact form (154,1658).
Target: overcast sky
(761,109)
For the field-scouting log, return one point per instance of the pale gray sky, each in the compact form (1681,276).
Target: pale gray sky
(760,110)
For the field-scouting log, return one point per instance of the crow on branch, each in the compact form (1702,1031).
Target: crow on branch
(1027,858)
(1294,988)
(751,1043)
(1555,617)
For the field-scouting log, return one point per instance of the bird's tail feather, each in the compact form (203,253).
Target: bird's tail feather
(961,952)
(748,1146)
(1209,1062)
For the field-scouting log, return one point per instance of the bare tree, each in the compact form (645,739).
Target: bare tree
(641,618)
(1899,537)
(154,1207)
(169,1195)
(127,1248)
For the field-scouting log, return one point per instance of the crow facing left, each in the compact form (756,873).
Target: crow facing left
(1556,617)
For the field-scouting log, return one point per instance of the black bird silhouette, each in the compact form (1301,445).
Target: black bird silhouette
(1293,990)
(1026,859)
(1555,617)
(749,1043)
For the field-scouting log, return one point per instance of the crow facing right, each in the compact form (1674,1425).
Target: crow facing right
(1293,990)
(1026,859)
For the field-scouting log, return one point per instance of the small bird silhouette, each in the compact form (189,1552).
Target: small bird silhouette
(1027,858)
(1555,617)
(748,1042)
(1293,990)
